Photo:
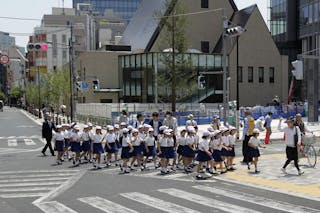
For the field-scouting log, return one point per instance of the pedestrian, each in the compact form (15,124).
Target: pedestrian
(150,148)
(247,134)
(91,133)
(171,150)
(293,144)
(181,140)
(58,139)
(47,128)
(124,117)
(170,121)
(232,143)
(67,132)
(254,154)
(299,123)
(163,152)
(216,146)
(97,146)
(126,150)
(191,121)
(267,125)
(155,123)
(225,152)
(189,149)
(139,121)
(258,124)
(111,147)
(216,122)
(137,150)
(75,139)
(204,155)
(86,143)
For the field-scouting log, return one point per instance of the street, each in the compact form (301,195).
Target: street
(30,182)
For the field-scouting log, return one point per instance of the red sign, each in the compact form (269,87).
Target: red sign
(4,59)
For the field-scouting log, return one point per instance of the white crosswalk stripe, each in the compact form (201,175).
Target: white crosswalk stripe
(157,203)
(32,183)
(29,142)
(54,207)
(210,202)
(106,205)
(12,142)
(258,200)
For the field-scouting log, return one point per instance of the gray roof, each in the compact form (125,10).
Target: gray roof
(143,25)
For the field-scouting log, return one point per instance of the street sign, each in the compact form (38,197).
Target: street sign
(4,59)
(85,86)
(34,70)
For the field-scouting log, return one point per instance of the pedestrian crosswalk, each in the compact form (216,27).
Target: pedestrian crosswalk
(192,199)
(14,142)
(20,142)
(35,183)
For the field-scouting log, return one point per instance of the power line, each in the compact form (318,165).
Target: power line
(19,18)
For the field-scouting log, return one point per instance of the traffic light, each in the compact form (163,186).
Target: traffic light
(37,46)
(96,85)
(235,31)
(79,85)
(201,82)
(297,69)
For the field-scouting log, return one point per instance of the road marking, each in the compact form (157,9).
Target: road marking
(258,200)
(34,180)
(12,142)
(37,175)
(29,142)
(38,171)
(105,205)
(31,184)
(22,195)
(157,203)
(54,207)
(216,204)
(27,189)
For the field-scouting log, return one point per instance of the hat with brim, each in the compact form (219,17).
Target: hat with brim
(98,128)
(289,120)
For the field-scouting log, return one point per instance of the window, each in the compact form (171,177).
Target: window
(64,55)
(261,74)
(205,46)
(271,75)
(54,46)
(240,75)
(64,39)
(204,3)
(250,74)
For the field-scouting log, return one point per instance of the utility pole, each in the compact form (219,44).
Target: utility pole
(173,85)
(39,94)
(224,65)
(73,95)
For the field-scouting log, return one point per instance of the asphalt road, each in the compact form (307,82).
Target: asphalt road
(32,183)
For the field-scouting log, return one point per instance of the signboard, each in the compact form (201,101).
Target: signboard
(85,86)
(34,70)
(4,59)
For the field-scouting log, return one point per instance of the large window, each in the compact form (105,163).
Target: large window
(205,46)
(240,75)
(261,74)
(271,75)
(278,20)
(250,74)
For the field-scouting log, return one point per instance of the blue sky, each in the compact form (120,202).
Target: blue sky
(36,9)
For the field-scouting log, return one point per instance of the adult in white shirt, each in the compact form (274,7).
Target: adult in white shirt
(292,145)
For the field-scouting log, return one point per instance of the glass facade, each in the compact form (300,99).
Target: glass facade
(147,74)
(278,22)
(122,8)
(309,12)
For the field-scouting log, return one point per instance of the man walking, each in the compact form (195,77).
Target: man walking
(47,128)
(155,123)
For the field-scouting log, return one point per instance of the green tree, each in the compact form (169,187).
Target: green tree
(16,92)
(2,96)
(178,67)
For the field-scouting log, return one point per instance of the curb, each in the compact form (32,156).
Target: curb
(37,121)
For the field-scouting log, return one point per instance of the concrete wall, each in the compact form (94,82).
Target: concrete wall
(102,66)
(257,49)
(200,27)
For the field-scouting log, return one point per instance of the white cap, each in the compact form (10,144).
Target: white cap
(116,126)
(232,128)
(125,130)
(98,127)
(76,127)
(85,126)
(140,126)
(90,124)
(146,126)
(223,129)
(191,129)
(151,130)
(111,128)
(206,134)
(123,124)
(190,116)
(256,130)
(210,129)
(162,128)
(134,131)
(183,129)
(216,132)
(65,125)
(130,127)
(59,126)
(167,132)
(261,118)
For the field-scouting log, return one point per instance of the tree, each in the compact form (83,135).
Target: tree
(16,92)
(179,72)
(2,96)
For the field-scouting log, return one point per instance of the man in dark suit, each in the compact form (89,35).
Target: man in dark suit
(47,128)
(155,123)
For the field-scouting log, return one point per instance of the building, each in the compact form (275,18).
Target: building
(6,41)
(124,9)
(295,26)
(262,70)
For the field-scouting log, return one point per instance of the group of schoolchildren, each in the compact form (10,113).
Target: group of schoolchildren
(214,150)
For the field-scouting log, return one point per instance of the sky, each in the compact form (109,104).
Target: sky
(35,9)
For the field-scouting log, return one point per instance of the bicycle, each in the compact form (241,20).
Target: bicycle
(308,151)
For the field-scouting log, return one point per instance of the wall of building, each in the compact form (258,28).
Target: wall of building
(200,27)
(102,66)
(257,49)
